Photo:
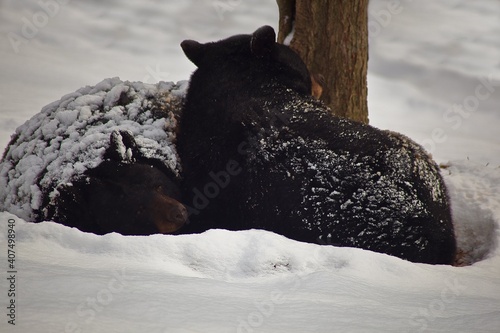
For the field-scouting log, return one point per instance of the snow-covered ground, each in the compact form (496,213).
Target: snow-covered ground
(434,75)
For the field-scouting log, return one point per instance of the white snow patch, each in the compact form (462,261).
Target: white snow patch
(474,191)
(70,136)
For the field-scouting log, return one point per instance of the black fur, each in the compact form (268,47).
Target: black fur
(101,159)
(259,152)
(138,197)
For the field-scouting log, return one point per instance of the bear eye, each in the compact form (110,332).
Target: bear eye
(159,188)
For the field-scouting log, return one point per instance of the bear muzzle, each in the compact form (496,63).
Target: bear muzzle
(168,214)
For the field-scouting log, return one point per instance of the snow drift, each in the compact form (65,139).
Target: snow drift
(255,281)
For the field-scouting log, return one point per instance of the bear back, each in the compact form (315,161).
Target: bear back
(259,152)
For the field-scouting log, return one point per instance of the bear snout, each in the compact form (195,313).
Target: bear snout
(179,214)
(168,214)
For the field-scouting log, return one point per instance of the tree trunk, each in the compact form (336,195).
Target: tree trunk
(331,36)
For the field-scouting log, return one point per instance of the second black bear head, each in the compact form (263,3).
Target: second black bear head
(254,59)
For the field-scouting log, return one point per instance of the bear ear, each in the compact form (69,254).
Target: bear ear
(122,147)
(193,50)
(262,41)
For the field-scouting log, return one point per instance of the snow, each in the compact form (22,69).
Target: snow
(373,181)
(71,136)
(440,66)
(426,57)
(474,193)
(250,281)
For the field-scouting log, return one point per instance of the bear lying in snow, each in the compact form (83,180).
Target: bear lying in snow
(101,159)
(259,152)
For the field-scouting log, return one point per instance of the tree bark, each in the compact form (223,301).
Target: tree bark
(331,36)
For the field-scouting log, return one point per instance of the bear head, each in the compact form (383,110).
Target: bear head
(126,193)
(254,59)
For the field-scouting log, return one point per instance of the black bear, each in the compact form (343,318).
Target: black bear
(139,197)
(101,159)
(259,152)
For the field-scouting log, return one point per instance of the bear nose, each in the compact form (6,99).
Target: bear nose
(179,214)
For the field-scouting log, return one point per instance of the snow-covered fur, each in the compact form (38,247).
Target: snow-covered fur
(259,152)
(86,139)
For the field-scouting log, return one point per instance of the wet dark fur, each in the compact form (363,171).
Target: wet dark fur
(259,152)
